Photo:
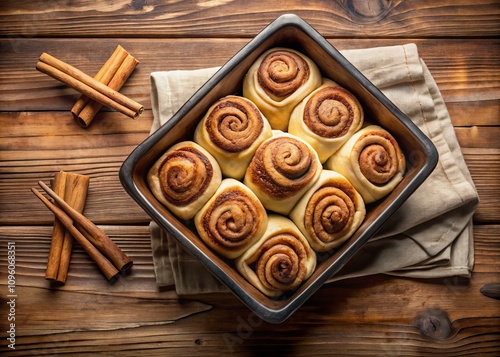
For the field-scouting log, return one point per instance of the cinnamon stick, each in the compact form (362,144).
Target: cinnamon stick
(75,195)
(88,86)
(73,189)
(119,78)
(106,267)
(96,236)
(58,232)
(104,75)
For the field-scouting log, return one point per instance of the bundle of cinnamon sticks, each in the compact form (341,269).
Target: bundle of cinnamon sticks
(69,194)
(102,90)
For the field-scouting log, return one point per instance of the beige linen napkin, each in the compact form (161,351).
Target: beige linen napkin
(430,236)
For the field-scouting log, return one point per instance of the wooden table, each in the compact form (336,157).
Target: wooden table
(458,40)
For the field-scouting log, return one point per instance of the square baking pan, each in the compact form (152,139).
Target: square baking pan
(286,31)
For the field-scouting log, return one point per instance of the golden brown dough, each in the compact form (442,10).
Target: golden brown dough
(184,178)
(282,170)
(330,211)
(232,220)
(231,131)
(278,80)
(326,118)
(372,161)
(280,261)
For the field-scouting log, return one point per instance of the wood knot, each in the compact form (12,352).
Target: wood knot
(367,11)
(138,4)
(434,323)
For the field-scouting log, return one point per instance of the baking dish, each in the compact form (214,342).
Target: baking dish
(286,31)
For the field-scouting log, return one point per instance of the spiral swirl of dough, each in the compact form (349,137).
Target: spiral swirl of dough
(330,212)
(184,178)
(232,219)
(326,118)
(231,130)
(280,261)
(278,267)
(234,124)
(332,111)
(286,165)
(278,80)
(372,161)
(283,168)
(379,157)
(281,73)
(184,175)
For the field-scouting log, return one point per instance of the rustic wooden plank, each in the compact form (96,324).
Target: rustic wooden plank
(481,149)
(484,166)
(33,243)
(479,112)
(375,315)
(478,137)
(477,336)
(347,18)
(466,71)
(35,145)
(32,249)
(75,311)
(60,144)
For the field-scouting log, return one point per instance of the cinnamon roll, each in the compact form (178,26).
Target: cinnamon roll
(280,261)
(329,212)
(184,178)
(231,220)
(282,170)
(372,161)
(231,131)
(326,118)
(278,80)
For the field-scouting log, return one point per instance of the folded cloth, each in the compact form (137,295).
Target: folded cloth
(430,236)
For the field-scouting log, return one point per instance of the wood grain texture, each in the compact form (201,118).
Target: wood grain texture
(133,314)
(373,316)
(29,156)
(465,70)
(240,18)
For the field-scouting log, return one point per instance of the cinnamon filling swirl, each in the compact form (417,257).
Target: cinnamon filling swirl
(184,175)
(379,157)
(232,220)
(280,263)
(234,124)
(283,166)
(281,73)
(330,211)
(331,112)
